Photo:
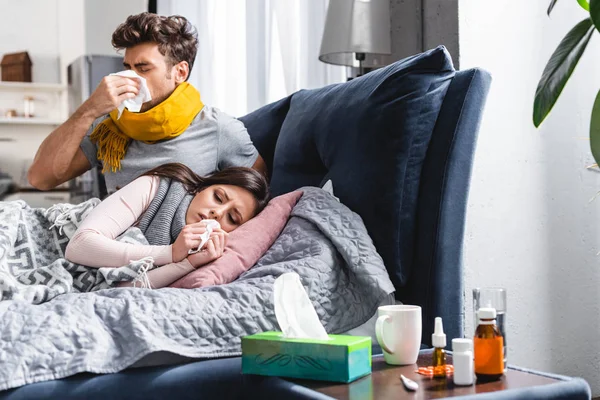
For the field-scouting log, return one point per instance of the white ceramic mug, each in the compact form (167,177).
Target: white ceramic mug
(398,331)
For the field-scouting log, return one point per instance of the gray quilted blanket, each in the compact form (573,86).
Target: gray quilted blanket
(109,330)
(32,247)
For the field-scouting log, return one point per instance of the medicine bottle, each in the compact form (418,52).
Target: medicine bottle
(462,358)
(438,340)
(488,345)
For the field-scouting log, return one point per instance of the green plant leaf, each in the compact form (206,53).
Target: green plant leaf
(551,6)
(595,12)
(559,69)
(595,129)
(584,4)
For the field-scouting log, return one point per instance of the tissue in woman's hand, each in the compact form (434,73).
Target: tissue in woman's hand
(295,313)
(210,225)
(143,96)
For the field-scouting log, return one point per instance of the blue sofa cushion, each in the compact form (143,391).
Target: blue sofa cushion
(370,137)
(264,125)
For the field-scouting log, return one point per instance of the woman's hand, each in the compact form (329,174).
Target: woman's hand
(188,239)
(212,250)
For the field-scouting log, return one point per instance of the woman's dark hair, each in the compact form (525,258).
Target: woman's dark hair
(246,178)
(177,39)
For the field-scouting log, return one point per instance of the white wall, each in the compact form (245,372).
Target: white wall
(32,26)
(71,33)
(530,225)
(58,31)
(102,17)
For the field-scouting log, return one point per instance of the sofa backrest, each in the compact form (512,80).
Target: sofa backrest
(398,146)
(436,282)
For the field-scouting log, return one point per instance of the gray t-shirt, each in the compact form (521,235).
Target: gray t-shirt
(212,142)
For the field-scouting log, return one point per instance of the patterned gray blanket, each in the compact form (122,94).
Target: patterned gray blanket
(108,330)
(32,248)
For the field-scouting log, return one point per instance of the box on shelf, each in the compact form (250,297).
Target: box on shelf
(343,358)
(16,67)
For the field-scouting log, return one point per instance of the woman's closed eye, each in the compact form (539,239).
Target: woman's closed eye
(218,198)
(232,220)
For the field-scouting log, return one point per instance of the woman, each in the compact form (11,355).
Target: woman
(169,204)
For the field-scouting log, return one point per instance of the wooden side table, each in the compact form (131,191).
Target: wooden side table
(385,383)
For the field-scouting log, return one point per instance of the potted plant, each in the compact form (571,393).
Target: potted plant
(559,68)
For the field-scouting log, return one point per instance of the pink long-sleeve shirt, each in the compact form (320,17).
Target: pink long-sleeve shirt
(94,243)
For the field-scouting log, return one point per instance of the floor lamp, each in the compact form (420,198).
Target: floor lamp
(357,34)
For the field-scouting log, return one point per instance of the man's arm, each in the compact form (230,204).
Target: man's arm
(59,157)
(261,166)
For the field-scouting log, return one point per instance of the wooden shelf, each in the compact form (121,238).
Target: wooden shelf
(33,86)
(29,121)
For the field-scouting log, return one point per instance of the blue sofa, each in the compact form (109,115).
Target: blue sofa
(398,145)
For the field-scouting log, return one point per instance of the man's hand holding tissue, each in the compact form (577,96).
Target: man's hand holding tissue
(190,238)
(110,93)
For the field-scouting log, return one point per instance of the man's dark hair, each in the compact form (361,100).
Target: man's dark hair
(176,37)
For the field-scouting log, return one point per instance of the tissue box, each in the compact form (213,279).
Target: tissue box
(343,358)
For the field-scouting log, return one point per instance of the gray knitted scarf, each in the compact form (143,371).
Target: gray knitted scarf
(165,217)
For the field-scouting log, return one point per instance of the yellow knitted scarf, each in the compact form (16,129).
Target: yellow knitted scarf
(167,120)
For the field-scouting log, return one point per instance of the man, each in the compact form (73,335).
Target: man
(175,126)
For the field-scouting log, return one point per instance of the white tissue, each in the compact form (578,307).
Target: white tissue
(210,225)
(143,96)
(295,313)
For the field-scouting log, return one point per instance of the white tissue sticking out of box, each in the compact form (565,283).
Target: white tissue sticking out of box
(211,224)
(295,313)
(143,96)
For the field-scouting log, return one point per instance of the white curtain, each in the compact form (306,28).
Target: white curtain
(253,52)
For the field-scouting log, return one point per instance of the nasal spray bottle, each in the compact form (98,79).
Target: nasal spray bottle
(438,340)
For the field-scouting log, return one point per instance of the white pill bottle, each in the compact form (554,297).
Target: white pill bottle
(462,358)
